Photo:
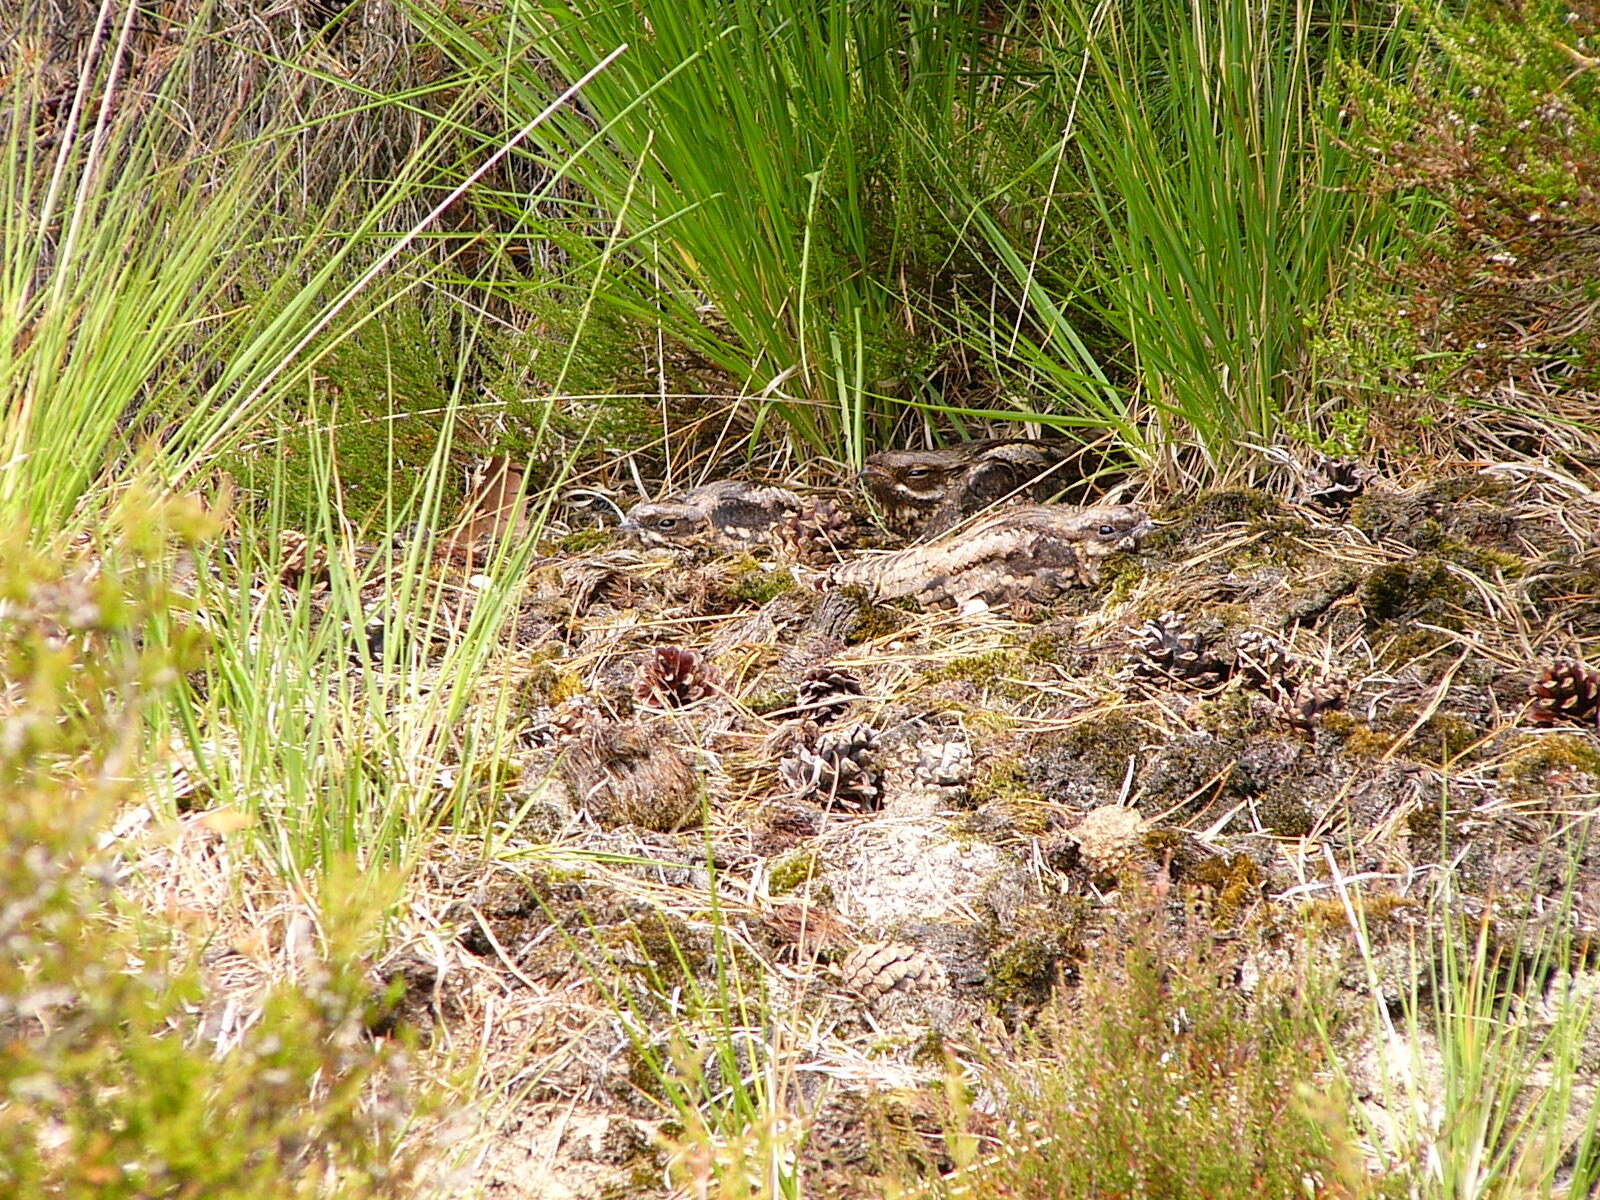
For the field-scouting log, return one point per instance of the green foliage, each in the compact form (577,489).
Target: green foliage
(1230,205)
(154,287)
(1155,1078)
(767,156)
(1492,152)
(108,1086)
(1497,1110)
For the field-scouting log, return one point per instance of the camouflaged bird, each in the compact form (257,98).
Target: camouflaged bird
(1024,552)
(727,514)
(922,493)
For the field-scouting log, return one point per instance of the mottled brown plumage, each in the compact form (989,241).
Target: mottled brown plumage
(922,493)
(1025,552)
(727,514)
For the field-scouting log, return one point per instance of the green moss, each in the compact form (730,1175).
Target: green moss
(754,584)
(1226,714)
(985,669)
(1417,587)
(1442,737)
(792,872)
(1182,521)
(1482,560)
(1004,780)
(661,949)
(1022,972)
(581,540)
(771,700)
(1308,603)
(1105,742)
(1383,909)
(545,683)
(1358,738)
(1050,646)
(875,620)
(991,672)
(1284,812)
(1120,574)
(1414,646)
(1535,759)
(1426,825)
(1235,882)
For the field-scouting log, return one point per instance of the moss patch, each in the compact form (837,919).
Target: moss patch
(1235,881)
(1537,761)
(754,584)
(1415,588)
(791,873)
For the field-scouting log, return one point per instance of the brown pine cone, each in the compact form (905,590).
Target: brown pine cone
(1566,690)
(839,771)
(825,693)
(674,676)
(1166,650)
(1311,699)
(1266,663)
(1109,837)
(569,720)
(878,968)
(301,558)
(819,533)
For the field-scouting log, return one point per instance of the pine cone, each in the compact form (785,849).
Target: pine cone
(839,770)
(1166,650)
(301,559)
(1312,698)
(878,968)
(1334,483)
(674,676)
(1266,663)
(943,767)
(825,693)
(1109,837)
(1566,690)
(818,533)
(568,721)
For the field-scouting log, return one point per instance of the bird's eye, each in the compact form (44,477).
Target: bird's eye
(666,522)
(1107,529)
(918,472)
